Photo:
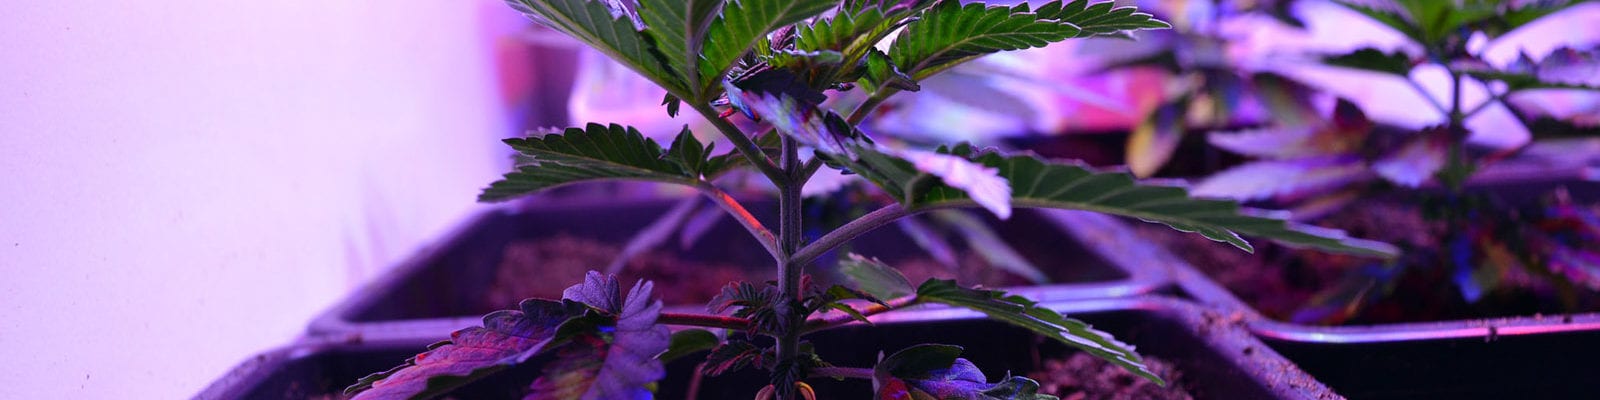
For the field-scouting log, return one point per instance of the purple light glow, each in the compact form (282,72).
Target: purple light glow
(186,184)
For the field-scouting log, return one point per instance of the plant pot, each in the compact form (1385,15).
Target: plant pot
(442,288)
(1217,357)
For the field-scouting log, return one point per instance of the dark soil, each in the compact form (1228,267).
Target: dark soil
(1281,282)
(544,267)
(1085,377)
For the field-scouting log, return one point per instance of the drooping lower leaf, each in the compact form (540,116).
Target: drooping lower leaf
(615,358)
(1024,313)
(596,152)
(507,338)
(932,371)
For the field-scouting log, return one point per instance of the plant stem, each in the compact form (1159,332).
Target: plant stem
(745,218)
(843,372)
(873,220)
(834,321)
(742,143)
(702,320)
(1456,170)
(789,271)
(1422,91)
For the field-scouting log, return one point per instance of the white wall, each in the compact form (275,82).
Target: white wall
(185,183)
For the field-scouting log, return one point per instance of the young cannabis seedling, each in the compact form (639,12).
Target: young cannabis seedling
(776,61)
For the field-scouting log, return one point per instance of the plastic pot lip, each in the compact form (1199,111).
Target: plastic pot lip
(1141,277)
(1200,288)
(1241,350)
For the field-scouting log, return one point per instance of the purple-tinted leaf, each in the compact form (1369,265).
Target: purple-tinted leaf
(1155,138)
(1415,162)
(749,301)
(732,356)
(507,338)
(1285,178)
(931,371)
(1275,142)
(609,361)
(823,131)
(983,184)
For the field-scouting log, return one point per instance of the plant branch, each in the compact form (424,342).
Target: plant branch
(873,220)
(745,218)
(843,372)
(862,111)
(742,143)
(836,320)
(703,320)
(1422,91)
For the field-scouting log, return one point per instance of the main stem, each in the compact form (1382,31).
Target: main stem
(789,270)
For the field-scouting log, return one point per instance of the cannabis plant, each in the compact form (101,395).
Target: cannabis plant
(776,61)
(1324,163)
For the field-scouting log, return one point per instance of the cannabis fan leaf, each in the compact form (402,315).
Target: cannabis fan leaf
(600,152)
(951,33)
(605,346)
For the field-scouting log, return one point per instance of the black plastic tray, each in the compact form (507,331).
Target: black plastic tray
(1218,358)
(438,289)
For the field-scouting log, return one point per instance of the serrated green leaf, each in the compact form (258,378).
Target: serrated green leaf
(679,29)
(595,24)
(741,25)
(1370,59)
(689,341)
(688,152)
(1103,18)
(1024,313)
(874,277)
(597,152)
(951,33)
(1037,183)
